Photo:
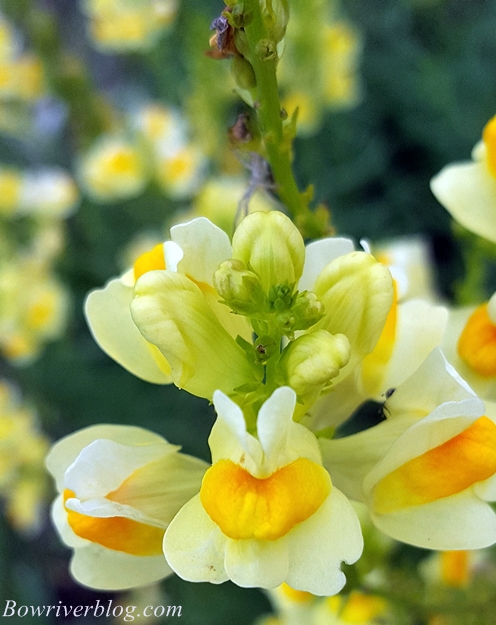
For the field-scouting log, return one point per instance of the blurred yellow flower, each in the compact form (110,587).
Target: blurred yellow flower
(114,168)
(33,308)
(23,483)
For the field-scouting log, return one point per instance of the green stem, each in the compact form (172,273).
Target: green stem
(263,58)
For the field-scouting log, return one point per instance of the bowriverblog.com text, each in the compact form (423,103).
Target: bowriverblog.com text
(105,608)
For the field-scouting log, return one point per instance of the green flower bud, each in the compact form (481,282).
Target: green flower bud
(308,309)
(280,297)
(239,287)
(311,361)
(243,73)
(271,245)
(276,16)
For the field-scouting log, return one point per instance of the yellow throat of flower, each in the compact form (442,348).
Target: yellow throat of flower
(489,138)
(116,533)
(154,259)
(477,343)
(244,506)
(446,470)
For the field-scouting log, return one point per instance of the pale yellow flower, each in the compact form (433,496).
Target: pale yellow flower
(267,512)
(120,486)
(468,189)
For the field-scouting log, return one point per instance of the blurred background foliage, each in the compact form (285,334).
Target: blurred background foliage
(427,75)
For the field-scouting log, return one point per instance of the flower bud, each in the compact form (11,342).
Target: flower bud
(276,16)
(239,287)
(307,309)
(243,73)
(312,360)
(271,245)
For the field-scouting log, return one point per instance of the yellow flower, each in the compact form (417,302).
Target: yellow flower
(120,486)
(470,345)
(194,252)
(23,447)
(33,308)
(427,472)
(267,512)
(468,189)
(114,168)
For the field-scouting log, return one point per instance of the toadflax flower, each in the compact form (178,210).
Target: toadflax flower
(470,346)
(468,190)
(119,487)
(184,265)
(428,471)
(267,512)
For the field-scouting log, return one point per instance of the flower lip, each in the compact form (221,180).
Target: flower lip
(266,509)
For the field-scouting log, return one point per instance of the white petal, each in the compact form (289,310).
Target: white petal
(257,563)
(173,254)
(103,465)
(274,422)
(161,488)
(109,318)
(205,247)
(468,192)
(67,449)
(320,253)
(105,569)
(433,383)
(461,521)
(319,545)
(59,518)
(229,438)
(194,545)
(101,508)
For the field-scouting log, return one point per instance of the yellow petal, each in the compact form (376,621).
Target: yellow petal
(116,533)
(266,509)
(477,343)
(445,470)
(149,261)
(489,138)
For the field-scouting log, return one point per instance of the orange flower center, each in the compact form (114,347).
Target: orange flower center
(477,343)
(244,506)
(116,533)
(446,470)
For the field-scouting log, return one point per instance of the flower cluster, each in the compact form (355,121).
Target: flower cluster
(277,336)
(152,143)
(286,338)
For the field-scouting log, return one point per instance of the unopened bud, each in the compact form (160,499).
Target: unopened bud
(276,16)
(314,359)
(308,309)
(243,73)
(271,244)
(239,287)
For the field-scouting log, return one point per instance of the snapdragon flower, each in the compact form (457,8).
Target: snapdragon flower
(194,253)
(267,511)
(468,190)
(119,487)
(470,346)
(428,471)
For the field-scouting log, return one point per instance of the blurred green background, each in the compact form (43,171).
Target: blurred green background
(428,73)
